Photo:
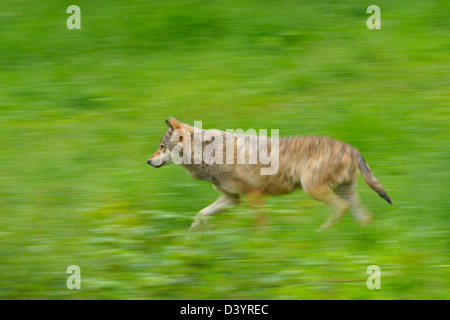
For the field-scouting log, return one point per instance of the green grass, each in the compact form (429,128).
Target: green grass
(81,110)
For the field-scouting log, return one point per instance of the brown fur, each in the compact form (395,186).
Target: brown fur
(325,168)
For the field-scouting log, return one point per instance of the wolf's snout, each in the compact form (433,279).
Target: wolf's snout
(155,164)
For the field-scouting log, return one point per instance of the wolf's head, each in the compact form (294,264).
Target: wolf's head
(173,136)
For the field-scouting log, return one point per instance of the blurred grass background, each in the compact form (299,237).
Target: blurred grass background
(81,110)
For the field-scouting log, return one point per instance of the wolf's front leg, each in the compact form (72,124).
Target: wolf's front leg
(223,203)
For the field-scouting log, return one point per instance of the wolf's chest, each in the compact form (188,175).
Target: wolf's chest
(212,173)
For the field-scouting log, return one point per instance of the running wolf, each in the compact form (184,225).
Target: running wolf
(327,169)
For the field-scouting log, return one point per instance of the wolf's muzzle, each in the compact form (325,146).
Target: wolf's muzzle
(149,161)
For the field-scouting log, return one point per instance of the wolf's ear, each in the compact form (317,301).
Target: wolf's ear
(169,126)
(173,123)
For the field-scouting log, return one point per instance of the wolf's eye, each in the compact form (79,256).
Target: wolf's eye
(162,147)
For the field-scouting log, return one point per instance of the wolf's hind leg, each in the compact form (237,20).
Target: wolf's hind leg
(359,211)
(340,206)
(223,203)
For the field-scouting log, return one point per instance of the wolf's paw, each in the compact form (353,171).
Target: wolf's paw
(324,227)
(367,219)
(198,224)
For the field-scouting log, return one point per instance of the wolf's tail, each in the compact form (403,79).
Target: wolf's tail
(370,179)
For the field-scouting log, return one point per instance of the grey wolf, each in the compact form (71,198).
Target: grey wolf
(325,168)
